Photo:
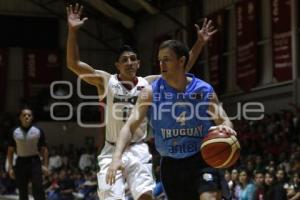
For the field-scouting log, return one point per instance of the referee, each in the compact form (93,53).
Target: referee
(27,141)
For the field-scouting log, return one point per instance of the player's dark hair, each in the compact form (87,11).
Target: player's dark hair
(178,47)
(124,48)
(247,171)
(259,171)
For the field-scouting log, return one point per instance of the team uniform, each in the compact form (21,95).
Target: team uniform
(136,158)
(179,122)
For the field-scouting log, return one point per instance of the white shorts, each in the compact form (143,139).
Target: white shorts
(137,172)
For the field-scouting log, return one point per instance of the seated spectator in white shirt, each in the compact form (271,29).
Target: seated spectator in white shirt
(86,160)
(55,161)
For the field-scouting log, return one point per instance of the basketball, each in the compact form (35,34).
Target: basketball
(219,149)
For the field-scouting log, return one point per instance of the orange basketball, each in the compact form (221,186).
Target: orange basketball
(219,149)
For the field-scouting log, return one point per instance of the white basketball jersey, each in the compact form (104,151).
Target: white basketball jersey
(120,102)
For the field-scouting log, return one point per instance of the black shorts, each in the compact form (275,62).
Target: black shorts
(187,178)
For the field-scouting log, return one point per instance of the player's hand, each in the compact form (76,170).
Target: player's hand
(11,173)
(45,170)
(224,128)
(206,32)
(115,165)
(74,15)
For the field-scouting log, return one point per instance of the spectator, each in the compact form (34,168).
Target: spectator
(293,191)
(284,163)
(55,161)
(86,160)
(277,192)
(234,176)
(295,158)
(259,165)
(259,179)
(63,189)
(245,189)
(269,185)
(281,176)
(89,186)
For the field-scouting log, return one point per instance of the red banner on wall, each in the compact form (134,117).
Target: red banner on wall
(215,46)
(41,68)
(3,76)
(246,53)
(281,39)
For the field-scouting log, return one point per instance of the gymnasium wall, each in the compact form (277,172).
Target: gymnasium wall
(67,133)
(148,31)
(275,96)
(91,50)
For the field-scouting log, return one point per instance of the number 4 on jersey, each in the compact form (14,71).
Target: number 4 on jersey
(181,118)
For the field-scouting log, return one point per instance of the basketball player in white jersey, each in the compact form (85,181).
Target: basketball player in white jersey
(122,91)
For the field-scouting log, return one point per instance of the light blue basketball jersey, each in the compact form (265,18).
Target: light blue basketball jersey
(179,119)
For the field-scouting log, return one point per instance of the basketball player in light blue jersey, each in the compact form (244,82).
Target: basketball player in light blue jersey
(181,109)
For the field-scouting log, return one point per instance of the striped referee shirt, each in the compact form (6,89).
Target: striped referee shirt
(27,142)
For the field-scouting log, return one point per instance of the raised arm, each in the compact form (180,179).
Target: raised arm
(83,70)
(131,127)
(203,36)
(219,116)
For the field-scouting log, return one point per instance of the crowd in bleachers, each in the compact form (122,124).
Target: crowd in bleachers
(268,168)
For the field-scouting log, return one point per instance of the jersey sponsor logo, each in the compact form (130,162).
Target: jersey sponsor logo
(207,177)
(125,99)
(180,96)
(183,148)
(197,96)
(118,87)
(186,132)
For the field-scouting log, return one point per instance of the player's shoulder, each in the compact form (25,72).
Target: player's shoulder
(199,83)
(202,82)
(158,81)
(152,78)
(157,85)
(142,80)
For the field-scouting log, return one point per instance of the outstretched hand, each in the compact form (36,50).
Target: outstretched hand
(74,15)
(206,32)
(112,171)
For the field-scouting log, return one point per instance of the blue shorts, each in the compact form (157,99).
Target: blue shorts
(187,178)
